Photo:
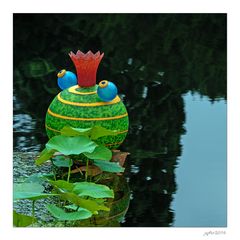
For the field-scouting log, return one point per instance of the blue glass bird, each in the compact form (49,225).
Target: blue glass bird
(107,91)
(66,79)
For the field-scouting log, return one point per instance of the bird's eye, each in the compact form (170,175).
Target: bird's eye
(66,79)
(61,73)
(106,91)
(103,84)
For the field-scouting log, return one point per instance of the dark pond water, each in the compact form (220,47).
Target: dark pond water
(170,70)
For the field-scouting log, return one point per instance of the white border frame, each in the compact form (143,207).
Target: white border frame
(118,6)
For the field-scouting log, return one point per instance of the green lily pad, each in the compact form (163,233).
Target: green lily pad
(89,204)
(68,216)
(63,185)
(92,190)
(109,166)
(100,152)
(62,161)
(98,131)
(31,191)
(45,155)
(93,133)
(71,132)
(71,145)
(21,220)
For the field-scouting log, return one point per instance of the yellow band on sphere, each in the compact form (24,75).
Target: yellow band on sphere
(86,119)
(94,104)
(73,89)
(80,107)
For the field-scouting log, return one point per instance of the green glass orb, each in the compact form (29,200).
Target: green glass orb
(81,107)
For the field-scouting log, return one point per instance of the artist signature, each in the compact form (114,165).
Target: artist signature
(217,232)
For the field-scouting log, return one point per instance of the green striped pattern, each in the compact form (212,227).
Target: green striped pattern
(55,123)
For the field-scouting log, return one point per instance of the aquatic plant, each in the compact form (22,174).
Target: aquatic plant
(79,165)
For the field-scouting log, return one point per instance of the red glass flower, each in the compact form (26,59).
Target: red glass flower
(86,66)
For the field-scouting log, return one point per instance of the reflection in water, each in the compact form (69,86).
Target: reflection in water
(118,206)
(155,148)
(175,54)
(24,129)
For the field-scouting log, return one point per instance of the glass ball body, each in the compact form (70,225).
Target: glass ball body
(80,107)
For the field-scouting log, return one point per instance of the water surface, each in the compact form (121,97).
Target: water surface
(201,173)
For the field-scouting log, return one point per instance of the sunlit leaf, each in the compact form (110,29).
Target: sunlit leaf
(94,133)
(109,166)
(89,204)
(68,216)
(62,161)
(92,190)
(71,145)
(21,220)
(71,132)
(100,152)
(72,207)
(31,191)
(63,185)
(75,207)
(36,178)
(45,155)
(28,187)
(98,131)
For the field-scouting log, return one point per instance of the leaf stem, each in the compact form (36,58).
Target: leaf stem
(53,170)
(69,173)
(86,174)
